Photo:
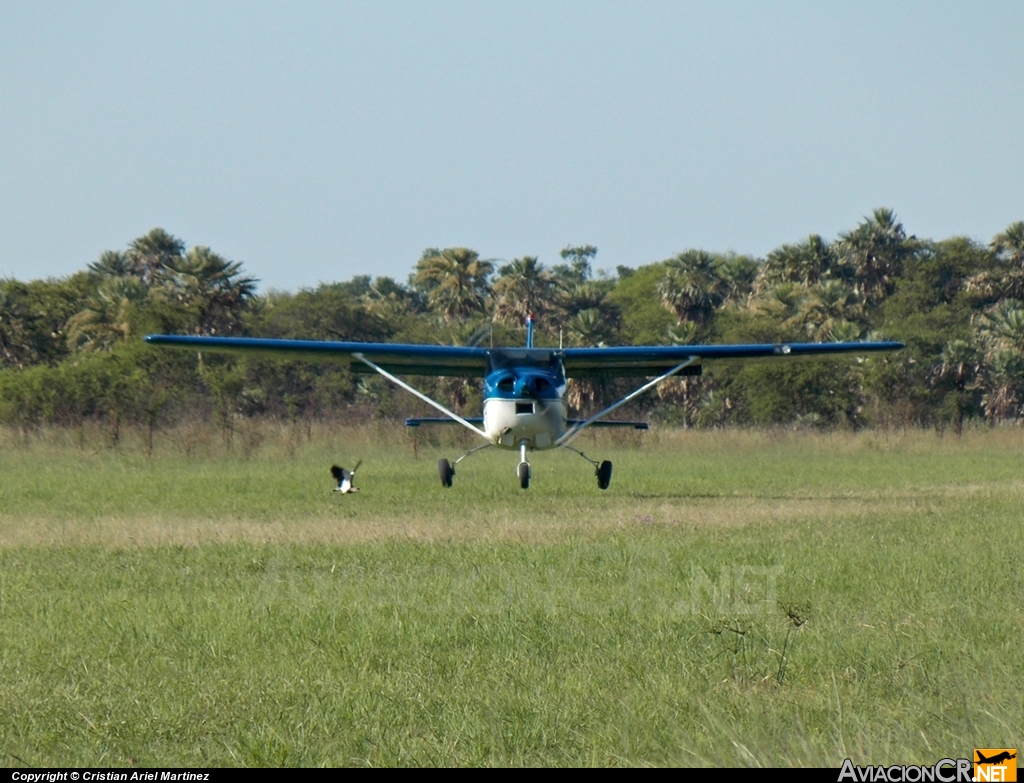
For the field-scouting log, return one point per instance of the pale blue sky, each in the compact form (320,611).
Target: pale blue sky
(316,141)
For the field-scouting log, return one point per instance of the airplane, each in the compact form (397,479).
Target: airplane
(1004,756)
(524,406)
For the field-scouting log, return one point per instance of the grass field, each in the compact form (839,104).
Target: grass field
(735,598)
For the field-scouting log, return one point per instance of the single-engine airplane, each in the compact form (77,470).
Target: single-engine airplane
(524,408)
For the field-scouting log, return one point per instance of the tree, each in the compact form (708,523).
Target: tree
(1009,245)
(960,368)
(108,315)
(578,269)
(1005,280)
(112,263)
(211,288)
(523,287)
(827,307)
(692,286)
(455,281)
(805,263)
(875,252)
(1000,333)
(149,255)
(738,275)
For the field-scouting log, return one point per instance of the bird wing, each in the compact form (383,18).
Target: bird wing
(338,473)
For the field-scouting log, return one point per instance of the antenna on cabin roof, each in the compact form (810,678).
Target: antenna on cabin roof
(529,331)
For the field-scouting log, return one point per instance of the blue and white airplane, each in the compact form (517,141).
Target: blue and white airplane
(524,405)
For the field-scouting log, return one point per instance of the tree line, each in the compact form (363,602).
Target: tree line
(71,349)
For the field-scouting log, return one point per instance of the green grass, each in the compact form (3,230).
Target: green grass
(224,609)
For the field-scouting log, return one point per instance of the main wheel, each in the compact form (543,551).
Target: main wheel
(524,475)
(604,475)
(446,472)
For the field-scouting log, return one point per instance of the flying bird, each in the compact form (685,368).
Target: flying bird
(344,478)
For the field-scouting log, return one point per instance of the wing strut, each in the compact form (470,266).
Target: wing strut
(569,436)
(422,396)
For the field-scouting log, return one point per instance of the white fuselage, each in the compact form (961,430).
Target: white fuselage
(537,422)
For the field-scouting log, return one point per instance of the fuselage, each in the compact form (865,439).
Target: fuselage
(524,398)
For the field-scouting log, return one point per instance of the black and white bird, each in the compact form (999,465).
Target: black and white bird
(344,478)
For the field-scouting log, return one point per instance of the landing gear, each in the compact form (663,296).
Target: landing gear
(446,471)
(603,470)
(523,471)
(524,475)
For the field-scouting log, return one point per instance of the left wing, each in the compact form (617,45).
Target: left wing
(398,358)
(643,360)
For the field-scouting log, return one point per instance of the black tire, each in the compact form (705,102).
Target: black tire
(446,472)
(604,475)
(524,475)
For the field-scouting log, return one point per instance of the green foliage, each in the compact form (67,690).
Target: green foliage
(644,320)
(944,299)
(790,393)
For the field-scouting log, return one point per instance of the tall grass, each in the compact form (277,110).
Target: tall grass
(752,598)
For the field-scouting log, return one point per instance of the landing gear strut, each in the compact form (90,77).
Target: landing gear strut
(523,471)
(603,470)
(446,469)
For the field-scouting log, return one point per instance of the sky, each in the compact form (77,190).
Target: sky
(316,141)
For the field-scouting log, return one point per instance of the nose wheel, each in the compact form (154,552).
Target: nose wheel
(523,471)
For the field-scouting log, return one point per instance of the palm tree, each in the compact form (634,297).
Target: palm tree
(210,287)
(960,366)
(112,263)
(1002,325)
(455,281)
(590,328)
(825,307)
(523,287)
(875,252)
(149,255)
(738,275)
(1004,370)
(107,316)
(1000,334)
(1006,279)
(1009,245)
(692,286)
(780,302)
(805,263)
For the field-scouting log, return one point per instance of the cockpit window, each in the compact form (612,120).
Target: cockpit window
(507,383)
(538,358)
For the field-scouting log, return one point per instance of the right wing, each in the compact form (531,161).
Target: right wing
(403,358)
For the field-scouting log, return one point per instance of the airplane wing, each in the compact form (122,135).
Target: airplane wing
(452,360)
(645,360)
(470,362)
